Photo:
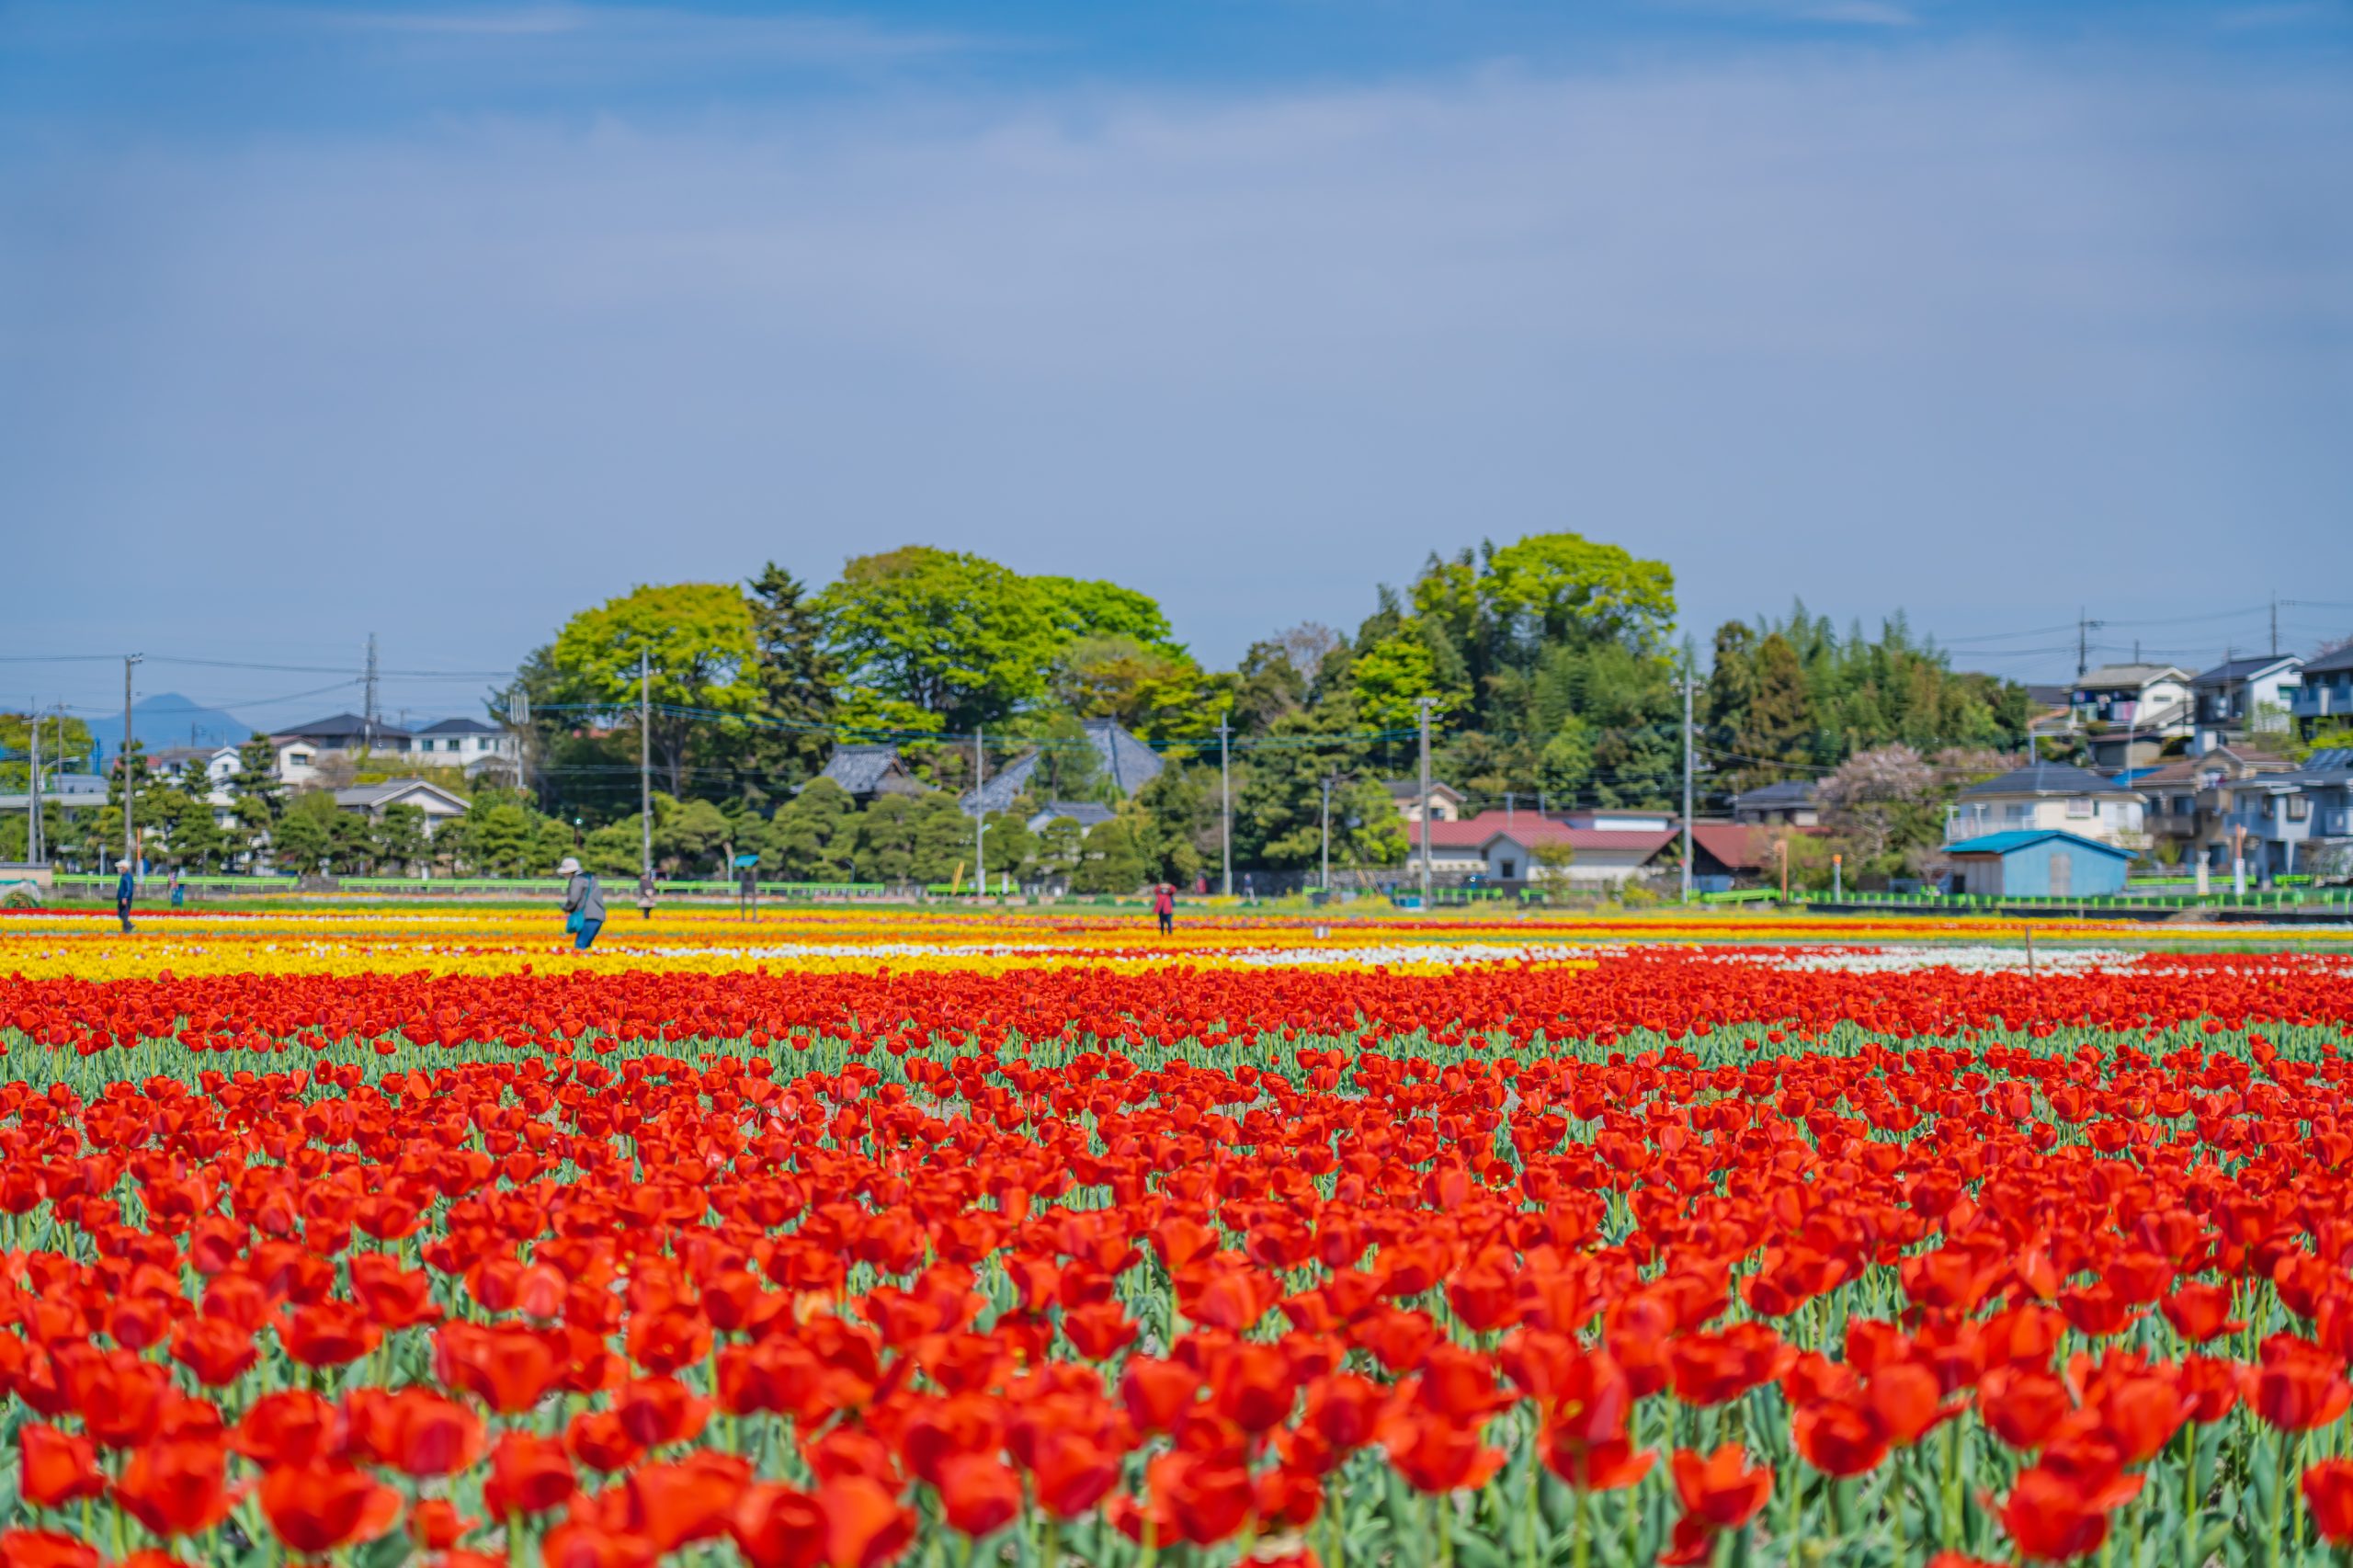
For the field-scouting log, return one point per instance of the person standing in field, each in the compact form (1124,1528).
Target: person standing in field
(126,888)
(584,904)
(1164,905)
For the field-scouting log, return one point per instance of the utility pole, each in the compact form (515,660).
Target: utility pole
(32,827)
(368,715)
(1686,782)
(2275,626)
(980,818)
(645,774)
(1225,811)
(130,843)
(1327,833)
(1423,704)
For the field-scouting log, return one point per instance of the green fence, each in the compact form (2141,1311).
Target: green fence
(105,880)
(2291,898)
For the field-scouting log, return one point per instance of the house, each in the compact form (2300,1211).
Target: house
(218,764)
(2130,714)
(66,791)
(437,804)
(1792,803)
(1723,853)
(1123,762)
(1511,846)
(466,744)
(1445,800)
(302,749)
(2048,795)
(2242,696)
(2323,695)
(1088,814)
(2285,821)
(2037,863)
(2187,801)
(868,772)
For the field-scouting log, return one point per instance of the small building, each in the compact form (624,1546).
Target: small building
(1445,800)
(2242,696)
(466,744)
(302,749)
(1121,760)
(870,772)
(374,800)
(1604,847)
(2052,795)
(2037,863)
(1089,814)
(2187,800)
(2323,693)
(66,791)
(2131,714)
(1792,803)
(2282,821)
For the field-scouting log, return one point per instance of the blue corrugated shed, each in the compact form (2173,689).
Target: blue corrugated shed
(2039,863)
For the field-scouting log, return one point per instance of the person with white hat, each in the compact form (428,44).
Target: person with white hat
(126,888)
(584,904)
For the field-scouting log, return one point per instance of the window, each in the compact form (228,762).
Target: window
(2181,805)
(1510,870)
(2300,808)
(2082,807)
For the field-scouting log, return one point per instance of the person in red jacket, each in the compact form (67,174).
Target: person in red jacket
(1164,905)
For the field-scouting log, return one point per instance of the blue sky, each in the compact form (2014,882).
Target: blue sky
(441,321)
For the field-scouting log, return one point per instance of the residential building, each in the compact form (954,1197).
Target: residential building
(2130,714)
(870,772)
(219,765)
(2048,795)
(439,805)
(467,743)
(1606,848)
(2323,695)
(305,748)
(2037,863)
(2187,800)
(1121,761)
(1792,803)
(2284,821)
(1445,800)
(2240,698)
(1089,814)
(66,791)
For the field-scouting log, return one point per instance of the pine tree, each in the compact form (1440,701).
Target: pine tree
(1777,732)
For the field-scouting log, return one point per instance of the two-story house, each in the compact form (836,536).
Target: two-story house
(2283,820)
(467,743)
(1445,800)
(2324,694)
(2129,714)
(2242,697)
(304,748)
(2188,798)
(1792,803)
(2049,795)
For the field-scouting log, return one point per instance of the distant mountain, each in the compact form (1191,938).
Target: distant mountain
(168,719)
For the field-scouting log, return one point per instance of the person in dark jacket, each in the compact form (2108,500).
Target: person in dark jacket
(584,904)
(126,888)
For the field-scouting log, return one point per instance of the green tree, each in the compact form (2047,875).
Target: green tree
(304,837)
(1732,686)
(190,826)
(951,635)
(1077,609)
(399,838)
(1778,731)
(699,639)
(1108,861)
(1174,826)
(1155,692)
(796,679)
(57,756)
(813,836)
(917,838)
(1571,588)
(1392,676)
(1059,849)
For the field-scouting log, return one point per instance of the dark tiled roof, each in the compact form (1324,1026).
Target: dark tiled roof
(1086,814)
(342,727)
(1125,761)
(860,769)
(2329,664)
(2048,778)
(1786,792)
(458,727)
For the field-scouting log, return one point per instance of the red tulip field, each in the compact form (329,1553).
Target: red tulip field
(1267,1249)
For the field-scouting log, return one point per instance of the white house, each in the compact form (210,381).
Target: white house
(467,743)
(1606,848)
(2130,714)
(1445,800)
(2240,697)
(2049,795)
(437,804)
(219,766)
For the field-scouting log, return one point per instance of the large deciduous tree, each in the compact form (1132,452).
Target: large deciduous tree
(703,662)
(951,635)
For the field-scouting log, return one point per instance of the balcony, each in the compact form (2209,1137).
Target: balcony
(2323,700)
